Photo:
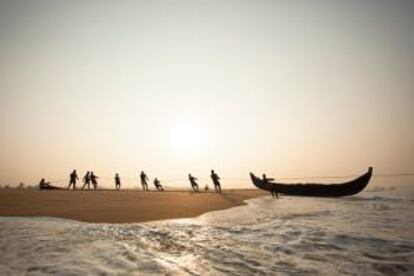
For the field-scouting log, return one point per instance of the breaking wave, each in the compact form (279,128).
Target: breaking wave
(288,236)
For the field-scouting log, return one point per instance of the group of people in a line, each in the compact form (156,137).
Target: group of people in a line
(88,179)
(91,178)
(214,177)
(144,182)
(194,185)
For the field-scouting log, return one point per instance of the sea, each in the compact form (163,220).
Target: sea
(368,234)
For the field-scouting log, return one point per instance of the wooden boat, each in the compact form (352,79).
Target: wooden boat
(312,189)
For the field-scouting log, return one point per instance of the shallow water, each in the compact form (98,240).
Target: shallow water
(371,233)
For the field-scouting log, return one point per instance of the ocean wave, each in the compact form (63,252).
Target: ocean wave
(285,236)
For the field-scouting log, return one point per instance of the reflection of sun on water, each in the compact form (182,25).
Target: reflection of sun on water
(188,138)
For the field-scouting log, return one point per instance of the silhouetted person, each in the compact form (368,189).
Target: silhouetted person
(193,183)
(144,181)
(43,184)
(117,181)
(94,181)
(87,180)
(270,186)
(73,178)
(158,185)
(216,181)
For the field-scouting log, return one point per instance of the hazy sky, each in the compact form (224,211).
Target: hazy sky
(292,88)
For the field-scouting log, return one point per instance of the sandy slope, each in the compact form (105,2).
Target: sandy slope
(117,206)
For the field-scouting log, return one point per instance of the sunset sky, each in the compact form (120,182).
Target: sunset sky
(291,88)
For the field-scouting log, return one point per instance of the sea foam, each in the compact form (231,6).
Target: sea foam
(287,236)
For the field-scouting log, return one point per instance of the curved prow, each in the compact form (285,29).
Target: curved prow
(357,185)
(257,182)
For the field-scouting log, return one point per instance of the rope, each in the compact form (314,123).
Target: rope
(232,179)
(394,175)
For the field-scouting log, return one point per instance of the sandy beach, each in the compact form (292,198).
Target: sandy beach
(117,206)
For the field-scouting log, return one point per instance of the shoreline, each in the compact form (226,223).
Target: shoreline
(125,206)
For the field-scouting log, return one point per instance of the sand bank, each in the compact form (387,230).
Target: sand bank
(118,206)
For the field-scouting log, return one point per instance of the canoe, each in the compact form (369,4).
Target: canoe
(314,189)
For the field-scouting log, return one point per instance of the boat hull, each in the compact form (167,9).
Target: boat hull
(318,190)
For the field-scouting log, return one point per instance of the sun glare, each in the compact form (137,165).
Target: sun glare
(188,138)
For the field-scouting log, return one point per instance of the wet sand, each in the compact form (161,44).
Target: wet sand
(118,206)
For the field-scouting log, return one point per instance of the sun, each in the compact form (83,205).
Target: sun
(188,138)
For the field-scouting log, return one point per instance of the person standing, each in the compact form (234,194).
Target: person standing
(193,183)
(144,181)
(87,180)
(73,178)
(117,181)
(94,181)
(270,186)
(216,181)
